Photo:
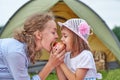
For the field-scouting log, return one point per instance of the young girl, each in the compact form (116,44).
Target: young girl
(79,63)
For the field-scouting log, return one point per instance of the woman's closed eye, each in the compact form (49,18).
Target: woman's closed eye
(54,33)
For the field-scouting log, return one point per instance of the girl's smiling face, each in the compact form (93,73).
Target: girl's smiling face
(67,38)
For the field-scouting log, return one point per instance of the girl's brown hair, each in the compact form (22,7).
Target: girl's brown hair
(32,24)
(79,44)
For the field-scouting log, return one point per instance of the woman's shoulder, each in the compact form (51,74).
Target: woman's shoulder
(10,42)
(12,45)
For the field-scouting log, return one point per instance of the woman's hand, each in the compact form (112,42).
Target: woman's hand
(57,53)
(56,57)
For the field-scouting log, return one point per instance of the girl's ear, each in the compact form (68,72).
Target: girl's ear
(38,34)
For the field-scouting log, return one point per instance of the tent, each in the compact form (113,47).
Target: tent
(102,40)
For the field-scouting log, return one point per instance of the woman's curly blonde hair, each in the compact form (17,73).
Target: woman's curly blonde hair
(33,23)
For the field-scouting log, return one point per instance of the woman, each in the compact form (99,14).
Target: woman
(39,32)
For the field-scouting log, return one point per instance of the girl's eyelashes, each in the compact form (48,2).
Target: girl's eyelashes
(64,36)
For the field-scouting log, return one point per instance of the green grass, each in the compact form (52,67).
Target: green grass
(111,74)
(52,76)
(107,75)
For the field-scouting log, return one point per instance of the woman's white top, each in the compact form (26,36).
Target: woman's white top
(14,60)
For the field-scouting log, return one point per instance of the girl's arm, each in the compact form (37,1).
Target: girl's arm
(78,75)
(60,73)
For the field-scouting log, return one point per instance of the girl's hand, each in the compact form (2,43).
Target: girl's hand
(57,54)
(56,58)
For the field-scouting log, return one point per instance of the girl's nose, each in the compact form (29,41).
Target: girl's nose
(56,36)
(61,38)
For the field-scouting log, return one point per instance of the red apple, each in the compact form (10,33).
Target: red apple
(59,45)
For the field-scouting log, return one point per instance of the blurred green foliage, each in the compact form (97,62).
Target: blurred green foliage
(116,31)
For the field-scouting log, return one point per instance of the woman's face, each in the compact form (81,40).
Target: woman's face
(67,38)
(49,35)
